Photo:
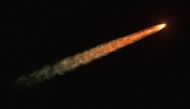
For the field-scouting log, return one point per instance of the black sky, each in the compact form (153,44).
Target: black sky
(152,73)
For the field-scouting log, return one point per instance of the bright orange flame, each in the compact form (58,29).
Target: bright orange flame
(162,25)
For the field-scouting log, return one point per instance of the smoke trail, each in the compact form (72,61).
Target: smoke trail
(72,62)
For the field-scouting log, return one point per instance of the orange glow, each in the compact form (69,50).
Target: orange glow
(162,25)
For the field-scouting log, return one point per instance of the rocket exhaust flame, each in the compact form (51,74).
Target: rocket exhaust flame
(72,62)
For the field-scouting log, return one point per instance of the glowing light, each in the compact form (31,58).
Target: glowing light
(162,25)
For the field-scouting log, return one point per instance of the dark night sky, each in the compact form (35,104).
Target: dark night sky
(152,73)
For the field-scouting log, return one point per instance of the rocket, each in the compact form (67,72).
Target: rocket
(72,62)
